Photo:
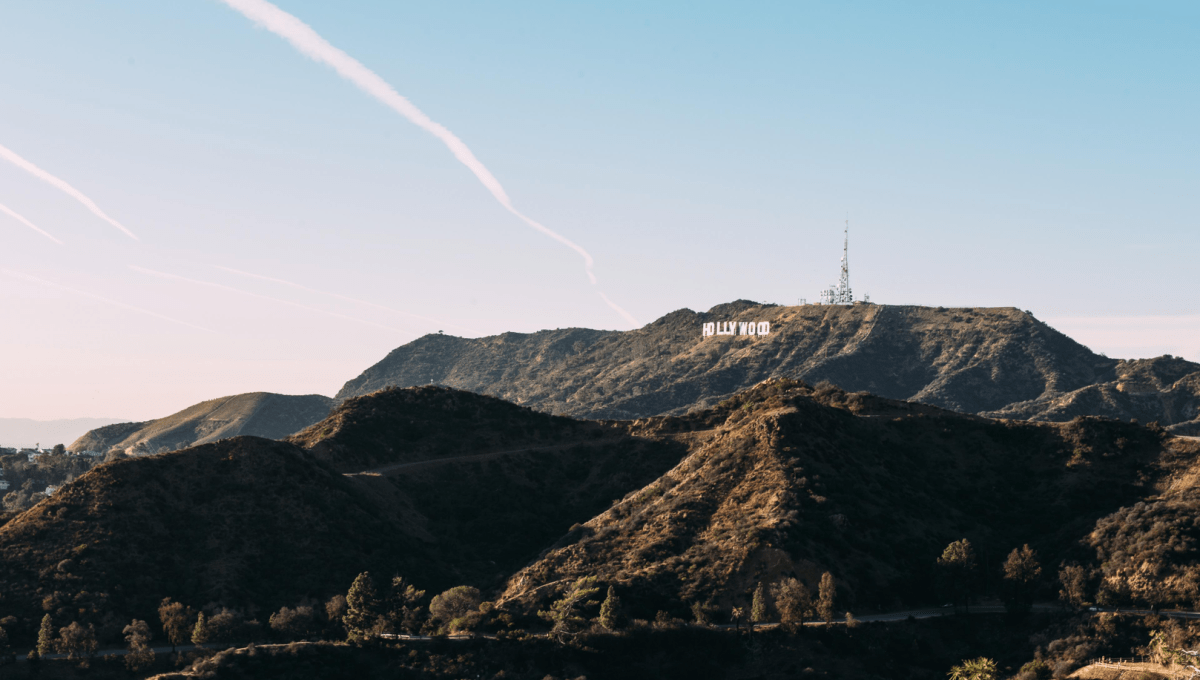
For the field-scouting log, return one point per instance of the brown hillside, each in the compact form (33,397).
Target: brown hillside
(796,481)
(257,524)
(1164,389)
(245,521)
(969,360)
(259,414)
(422,423)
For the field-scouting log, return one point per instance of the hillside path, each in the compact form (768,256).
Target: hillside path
(385,470)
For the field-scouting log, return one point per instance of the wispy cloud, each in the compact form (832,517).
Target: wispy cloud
(13,214)
(231,289)
(82,293)
(312,45)
(622,312)
(62,186)
(343,297)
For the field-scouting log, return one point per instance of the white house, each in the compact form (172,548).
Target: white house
(3,485)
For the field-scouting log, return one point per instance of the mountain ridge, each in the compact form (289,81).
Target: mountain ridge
(263,414)
(999,361)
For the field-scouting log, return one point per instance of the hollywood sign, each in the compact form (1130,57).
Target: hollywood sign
(736,328)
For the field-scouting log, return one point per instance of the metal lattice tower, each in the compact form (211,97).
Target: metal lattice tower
(842,295)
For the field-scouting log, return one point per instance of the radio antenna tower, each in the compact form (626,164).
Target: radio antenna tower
(842,295)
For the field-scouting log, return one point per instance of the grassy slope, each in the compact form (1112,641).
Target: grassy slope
(260,414)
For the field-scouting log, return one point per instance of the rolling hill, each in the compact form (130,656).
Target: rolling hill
(450,487)
(260,414)
(256,524)
(794,481)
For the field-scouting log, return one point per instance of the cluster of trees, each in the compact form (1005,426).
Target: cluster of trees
(957,570)
(789,601)
(27,480)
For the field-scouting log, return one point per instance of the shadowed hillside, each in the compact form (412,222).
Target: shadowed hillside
(241,521)
(794,481)
(968,360)
(1164,389)
(260,414)
(458,488)
(254,523)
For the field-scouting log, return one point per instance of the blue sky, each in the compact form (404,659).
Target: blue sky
(1036,155)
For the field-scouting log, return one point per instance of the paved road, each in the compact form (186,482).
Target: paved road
(122,651)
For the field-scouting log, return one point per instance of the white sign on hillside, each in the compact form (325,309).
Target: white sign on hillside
(736,328)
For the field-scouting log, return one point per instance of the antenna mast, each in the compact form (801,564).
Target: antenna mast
(841,295)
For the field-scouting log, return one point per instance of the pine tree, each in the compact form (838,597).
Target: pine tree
(758,606)
(826,592)
(200,631)
(610,610)
(564,613)
(362,608)
(45,641)
(404,610)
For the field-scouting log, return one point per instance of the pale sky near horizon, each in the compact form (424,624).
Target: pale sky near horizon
(291,229)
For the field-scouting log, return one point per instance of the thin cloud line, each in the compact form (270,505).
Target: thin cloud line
(13,214)
(101,298)
(308,42)
(62,186)
(342,297)
(231,289)
(622,312)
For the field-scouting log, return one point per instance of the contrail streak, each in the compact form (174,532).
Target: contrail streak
(63,187)
(101,298)
(231,289)
(11,213)
(343,297)
(622,312)
(311,44)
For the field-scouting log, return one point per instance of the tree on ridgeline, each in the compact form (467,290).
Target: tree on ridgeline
(1073,579)
(45,639)
(565,615)
(140,656)
(362,608)
(1021,574)
(826,594)
(404,610)
(982,668)
(758,606)
(794,602)
(956,572)
(610,610)
(176,622)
